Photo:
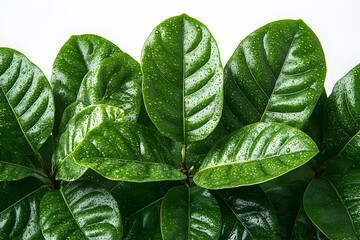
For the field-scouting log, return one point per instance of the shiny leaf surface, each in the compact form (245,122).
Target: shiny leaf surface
(15,167)
(114,81)
(26,104)
(190,213)
(182,79)
(286,194)
(76,130)
(80,210)
(254,154)
(19,209)
(76,57)
(276,74)
(246,214)
(342,123)
(127,151)
(330,203)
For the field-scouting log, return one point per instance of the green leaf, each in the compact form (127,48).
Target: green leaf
(127,151)
(276,74)
(254,154)
(26,104)
(304,229)
(15,167)
(68,114)
(286,194)
(76,57)
(342,123)
(330,203)
(114,81)
(183,79)
(80,210)
(142,215)
(19,209)
(76,131)
(190,213)
(246,214)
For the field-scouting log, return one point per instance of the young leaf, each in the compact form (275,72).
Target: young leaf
(15,167)
(26,104)
(276,74)
(183,79)
(330,203)
(76,57)
(80,210)
(19,209)
(254,154)
(127,151)
(77,129)
(246,212)
(114,81)
(341,125)
(190,213)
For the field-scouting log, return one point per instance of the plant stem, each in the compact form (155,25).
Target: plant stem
(50,175)
(183,168)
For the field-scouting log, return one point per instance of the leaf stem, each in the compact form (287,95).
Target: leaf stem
(183,168)
(50,175)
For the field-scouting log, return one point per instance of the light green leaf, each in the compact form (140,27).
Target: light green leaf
(183,79)
(26,104)
(190,213)
(77,129)
(80,210)
(276,74)
(127,151)
(254,154)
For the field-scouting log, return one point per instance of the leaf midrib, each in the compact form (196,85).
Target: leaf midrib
(282,67)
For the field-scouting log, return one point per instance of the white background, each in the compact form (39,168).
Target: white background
(38,28)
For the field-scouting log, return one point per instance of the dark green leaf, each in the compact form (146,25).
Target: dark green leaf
(190,213)
(183,79)
(304,229)
(80,210)
(286,194)
(276,74)
(127,151)
(14,167)
(342,123)
(76,130)
(26,104)
(69,113)
(76,57)
(19,209)
(246,214)
(114,81)
(254,154)
(333,205)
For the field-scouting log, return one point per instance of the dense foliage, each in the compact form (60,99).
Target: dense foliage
(178,147)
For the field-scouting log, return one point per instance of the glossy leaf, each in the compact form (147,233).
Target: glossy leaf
(190,213)
(19,209)
(276,74)
(76,57)
(15,167)
(77,129)
(286,194)
(80,210)
(330,203)
(304,229)
(246,214)
(254,154)
(127,151)
(342,123)
(114,81)
(68,114)
(142,220)
(182,79)
(26,104)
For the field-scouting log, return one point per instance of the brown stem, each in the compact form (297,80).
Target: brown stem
(319,172)
(50,175)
